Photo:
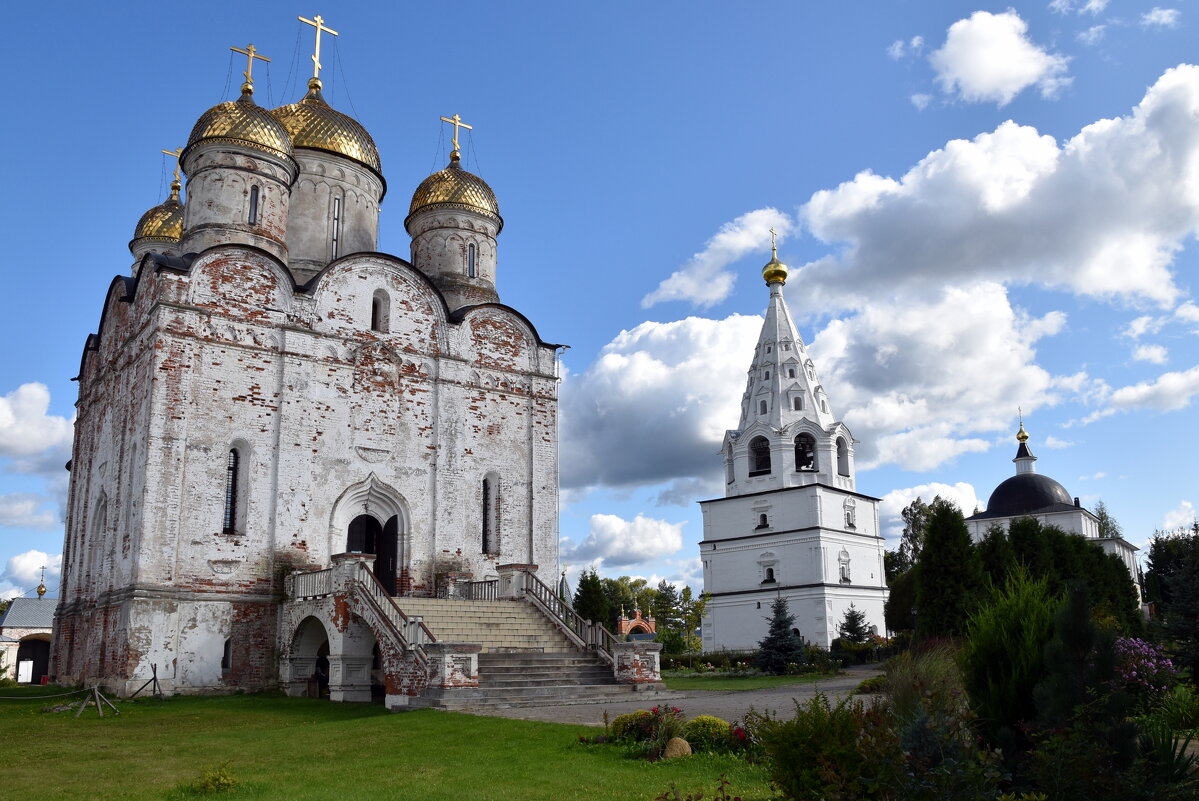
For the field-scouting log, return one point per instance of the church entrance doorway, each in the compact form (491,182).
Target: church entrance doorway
(366,535)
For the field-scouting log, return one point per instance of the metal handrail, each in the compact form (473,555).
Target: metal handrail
(592,634)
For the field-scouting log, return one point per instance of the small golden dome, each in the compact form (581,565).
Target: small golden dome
(775,270)
(314,123)
(164,222)
(242,122)
(456,187)
(1022,435)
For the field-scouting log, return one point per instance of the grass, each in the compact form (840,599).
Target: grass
(304,750)
(751,682)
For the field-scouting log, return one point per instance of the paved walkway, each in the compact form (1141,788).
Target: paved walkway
(724,704)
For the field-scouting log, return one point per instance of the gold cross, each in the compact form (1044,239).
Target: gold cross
(773,248)
(250,53)
(319,23)
(457,123)
(177,152)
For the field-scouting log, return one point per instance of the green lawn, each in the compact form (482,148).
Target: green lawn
(700,682)
(300,749)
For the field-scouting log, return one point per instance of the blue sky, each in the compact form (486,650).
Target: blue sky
(984,207)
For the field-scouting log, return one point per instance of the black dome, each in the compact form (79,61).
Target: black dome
(1027,493)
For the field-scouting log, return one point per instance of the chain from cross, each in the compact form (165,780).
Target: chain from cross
(177,152)
(251,53)
(457,122)
(317,22)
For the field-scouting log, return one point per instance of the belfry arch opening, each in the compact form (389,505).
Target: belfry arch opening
(759,456)
(842,457)
(805,452)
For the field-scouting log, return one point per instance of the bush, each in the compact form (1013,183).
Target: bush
(1143,669)
(871,686)
(708,733)
(214,780)
(1179,709)
(635,726)
(925,682)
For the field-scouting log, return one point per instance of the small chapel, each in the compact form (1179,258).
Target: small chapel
(792,523)
(302,462)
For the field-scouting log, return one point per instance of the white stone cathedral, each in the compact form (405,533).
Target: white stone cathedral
(265,391)
(791,523)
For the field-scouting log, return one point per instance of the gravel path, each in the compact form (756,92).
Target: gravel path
(724,704)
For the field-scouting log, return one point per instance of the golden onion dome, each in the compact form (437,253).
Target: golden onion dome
(775,270)
(242,122)
(164,222)
(314,123)
(1022,435)
(456,188)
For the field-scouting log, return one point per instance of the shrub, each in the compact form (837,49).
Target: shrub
(214,780)
(1143,669)
(707,733)
(1179,709)
(632,726)
(925,682)
(872,685)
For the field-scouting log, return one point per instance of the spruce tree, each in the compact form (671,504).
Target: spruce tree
(781,645)
(590,602)
(949,576)
(853,629)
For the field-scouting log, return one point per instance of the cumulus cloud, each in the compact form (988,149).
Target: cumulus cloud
(703,281)
(1180,516)
(23,571)
(617,542)
(899,48)
(989,58)
(1103,214)
(655,404)
(26,510)
(1092,35)
(25,428)
(1166,393)
(1054,443)
(686,491)
(1158,17)
(921,100)
(893,503)
(1155,354)
(1091,7)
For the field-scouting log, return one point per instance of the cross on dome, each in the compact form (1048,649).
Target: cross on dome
(457,122)
(250,53)
(317,22)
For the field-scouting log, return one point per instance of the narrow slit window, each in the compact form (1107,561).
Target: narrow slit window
(797,403)
(470,261)
(790,372)
(253,205)
(232,469)
(380,312)
(488,532)
(227,656)
(336,226)
(761,407)
(767,378)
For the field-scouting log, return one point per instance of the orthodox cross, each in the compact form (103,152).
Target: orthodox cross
(317,22)
(457,122)
(177,152)
(250,53)
(773,247)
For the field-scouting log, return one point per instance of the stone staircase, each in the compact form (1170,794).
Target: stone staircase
(526,660)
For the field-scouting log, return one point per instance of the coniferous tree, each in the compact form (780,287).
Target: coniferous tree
(897,612)
(666,607)
(949,575)
(781,645)
(590,602)
(1108,527)
(852,628)
(998,557)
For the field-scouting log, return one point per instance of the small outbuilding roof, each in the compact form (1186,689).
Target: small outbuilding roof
(29,613)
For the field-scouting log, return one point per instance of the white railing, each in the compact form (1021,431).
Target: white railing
(481,590)
(586,633)
(311,585)
(410,632)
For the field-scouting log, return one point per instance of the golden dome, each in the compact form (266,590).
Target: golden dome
(1022,435)
(774,270)
(456,187)
(242,122)
(164,222)
(314,123)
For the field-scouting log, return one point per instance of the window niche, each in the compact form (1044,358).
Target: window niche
(805,453)
(252,217)
(768,564)
(763,521)
(762,407)
(489,526)
(470,261)
(233,519)
(851,514)
(380,312)
(842,457)
(759,456)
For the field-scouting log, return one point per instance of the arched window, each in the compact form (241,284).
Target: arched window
(790,372)
(769,575)
(380,311)
(336,227)
(729,474)
(797,403)
(489,530)
(763,521)
(768,349)
(843,566)
(851,514)
(759,456)
(823,405)
(233,491)
(761,407)
(253,216)
(470,260)
(842,457)
(227,656)
(805,452)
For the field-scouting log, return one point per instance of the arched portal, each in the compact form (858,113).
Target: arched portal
(372,518)
(309,658)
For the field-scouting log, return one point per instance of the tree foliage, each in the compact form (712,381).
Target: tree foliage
(1108,527)
(590,602)
(1172,584)
(852,628)
(949,574)
(897,612)
(781,645)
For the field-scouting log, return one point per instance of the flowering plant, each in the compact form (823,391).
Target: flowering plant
(1142,667)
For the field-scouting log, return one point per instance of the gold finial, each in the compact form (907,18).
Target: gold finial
(177,152)
(457,122)
(774,251)
(41,587)
(775,272)
(1021,435)
(250,53)
(319,23)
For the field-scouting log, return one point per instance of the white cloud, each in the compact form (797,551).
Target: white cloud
(655,404)
(1093,476)
(893,502)
(1091,7)
(1054,443)
(25,428)
(1168,392)
(1182,515)
(989,58)
(1155,354)
(619,542)
(26,510)
(921,100)
(703,281)
(1092,35)
(1103,214)
(1145,324)
(899,48)
(1158,17)
(686,491)
(24,571)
